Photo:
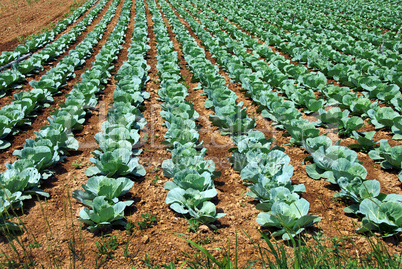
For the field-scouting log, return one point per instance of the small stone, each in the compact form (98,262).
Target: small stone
(145,239)
(203,228)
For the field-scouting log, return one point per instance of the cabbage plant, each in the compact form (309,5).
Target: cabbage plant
(291,218)
(103,214)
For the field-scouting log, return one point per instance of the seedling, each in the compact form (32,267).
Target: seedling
(194,225)
(149,221)
(186,85)
(106,248)
(35,244)
(205,241)
(77,164)
(129,228)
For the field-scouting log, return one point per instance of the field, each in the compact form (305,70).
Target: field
(207,121)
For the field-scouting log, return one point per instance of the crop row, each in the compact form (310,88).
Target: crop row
(345,30)
(380,116)
(37,41)
(17,75)
(278,86)
(27,102)
(382,14)
(268,170)
(22,178)
(192,186)
(116,159)
(354,73)
(337,164)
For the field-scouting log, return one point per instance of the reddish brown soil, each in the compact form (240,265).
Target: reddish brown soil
(40,119)
(46,67)
(19,19)
(63,241)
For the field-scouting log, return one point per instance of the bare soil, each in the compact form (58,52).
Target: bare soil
(21,18)
(61,240)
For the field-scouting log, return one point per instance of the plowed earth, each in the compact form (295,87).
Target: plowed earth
(54,236)
(21,18)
